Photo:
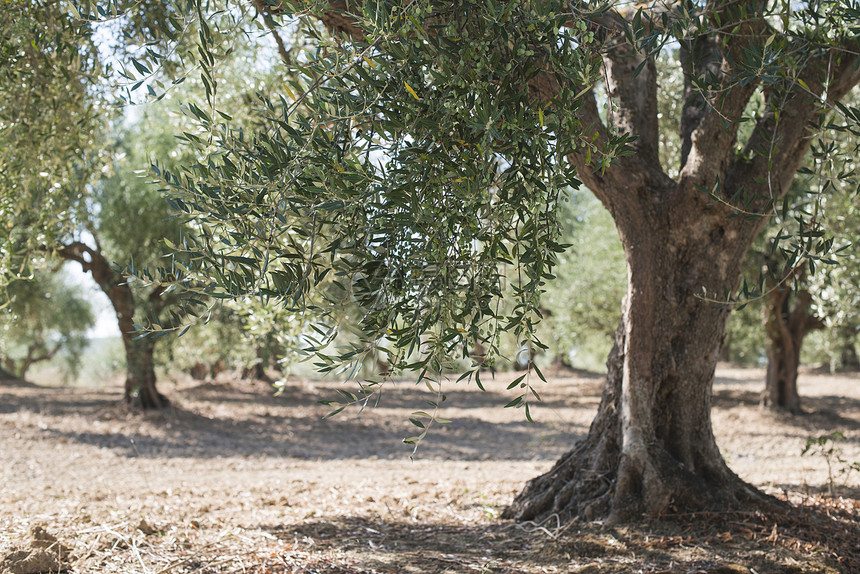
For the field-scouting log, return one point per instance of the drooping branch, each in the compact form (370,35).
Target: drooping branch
(546,84)
(595,129)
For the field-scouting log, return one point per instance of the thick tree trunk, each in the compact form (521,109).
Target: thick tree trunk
(651,446)
(786,328)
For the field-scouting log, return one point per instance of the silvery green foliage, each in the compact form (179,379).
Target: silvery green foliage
(407,177)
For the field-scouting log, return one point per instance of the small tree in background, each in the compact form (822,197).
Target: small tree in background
(785,305)
(74,185)
(787,320)
(43,317)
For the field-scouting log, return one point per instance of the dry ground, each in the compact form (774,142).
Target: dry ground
(233,479)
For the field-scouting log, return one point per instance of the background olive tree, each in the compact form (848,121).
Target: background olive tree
(76,183)
(43,318)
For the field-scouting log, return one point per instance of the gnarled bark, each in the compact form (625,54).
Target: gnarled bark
(651,446)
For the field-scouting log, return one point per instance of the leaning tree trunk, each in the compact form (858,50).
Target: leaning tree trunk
(786,328)
(140,387)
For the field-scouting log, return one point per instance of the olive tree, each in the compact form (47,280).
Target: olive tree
(75,184)
(796,300)
(685,237)
(43,317)
(416,161)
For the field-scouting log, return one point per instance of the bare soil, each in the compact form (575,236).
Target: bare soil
(232,478)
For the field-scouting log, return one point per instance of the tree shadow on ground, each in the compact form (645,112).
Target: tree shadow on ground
(212,420)
(799,540)
(819,412)
(190,434)
(7,400)
(396,393)
(52,401)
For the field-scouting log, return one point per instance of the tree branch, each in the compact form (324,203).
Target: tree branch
(634,98)
(113,284)
(700,58)
(266,11)
(592,124)
(800,320)
(778,143)
(32,357)
(710,121)
(338,19)
(91,261)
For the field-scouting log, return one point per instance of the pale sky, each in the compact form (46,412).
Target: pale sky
(106,325)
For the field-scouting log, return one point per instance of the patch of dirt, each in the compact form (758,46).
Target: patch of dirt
(234,479)
(42,553)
